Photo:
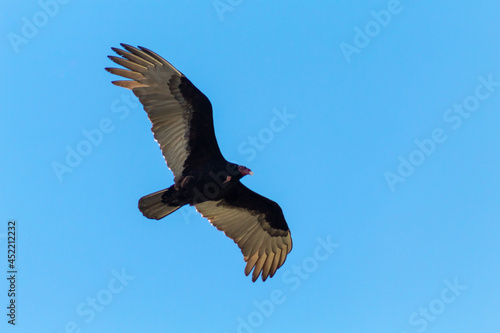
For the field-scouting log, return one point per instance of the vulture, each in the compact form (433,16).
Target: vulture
(182,124)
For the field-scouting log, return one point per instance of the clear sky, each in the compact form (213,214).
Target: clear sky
(373,125)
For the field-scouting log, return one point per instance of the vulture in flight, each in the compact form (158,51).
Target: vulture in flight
(182,121)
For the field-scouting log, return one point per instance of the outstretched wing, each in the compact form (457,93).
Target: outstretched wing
(181,115)
(256,224)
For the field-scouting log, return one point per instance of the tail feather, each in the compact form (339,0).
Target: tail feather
(152,207)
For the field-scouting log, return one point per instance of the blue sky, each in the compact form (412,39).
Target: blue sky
(385,160)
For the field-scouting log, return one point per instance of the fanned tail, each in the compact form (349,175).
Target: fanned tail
(152,207)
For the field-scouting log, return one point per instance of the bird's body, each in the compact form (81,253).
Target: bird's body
(183,127)
(201,185)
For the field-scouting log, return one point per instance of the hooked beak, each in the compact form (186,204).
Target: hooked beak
(250,173)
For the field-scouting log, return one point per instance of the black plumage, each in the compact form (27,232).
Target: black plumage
(182,124)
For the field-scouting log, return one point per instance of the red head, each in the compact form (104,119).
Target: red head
(244,170)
